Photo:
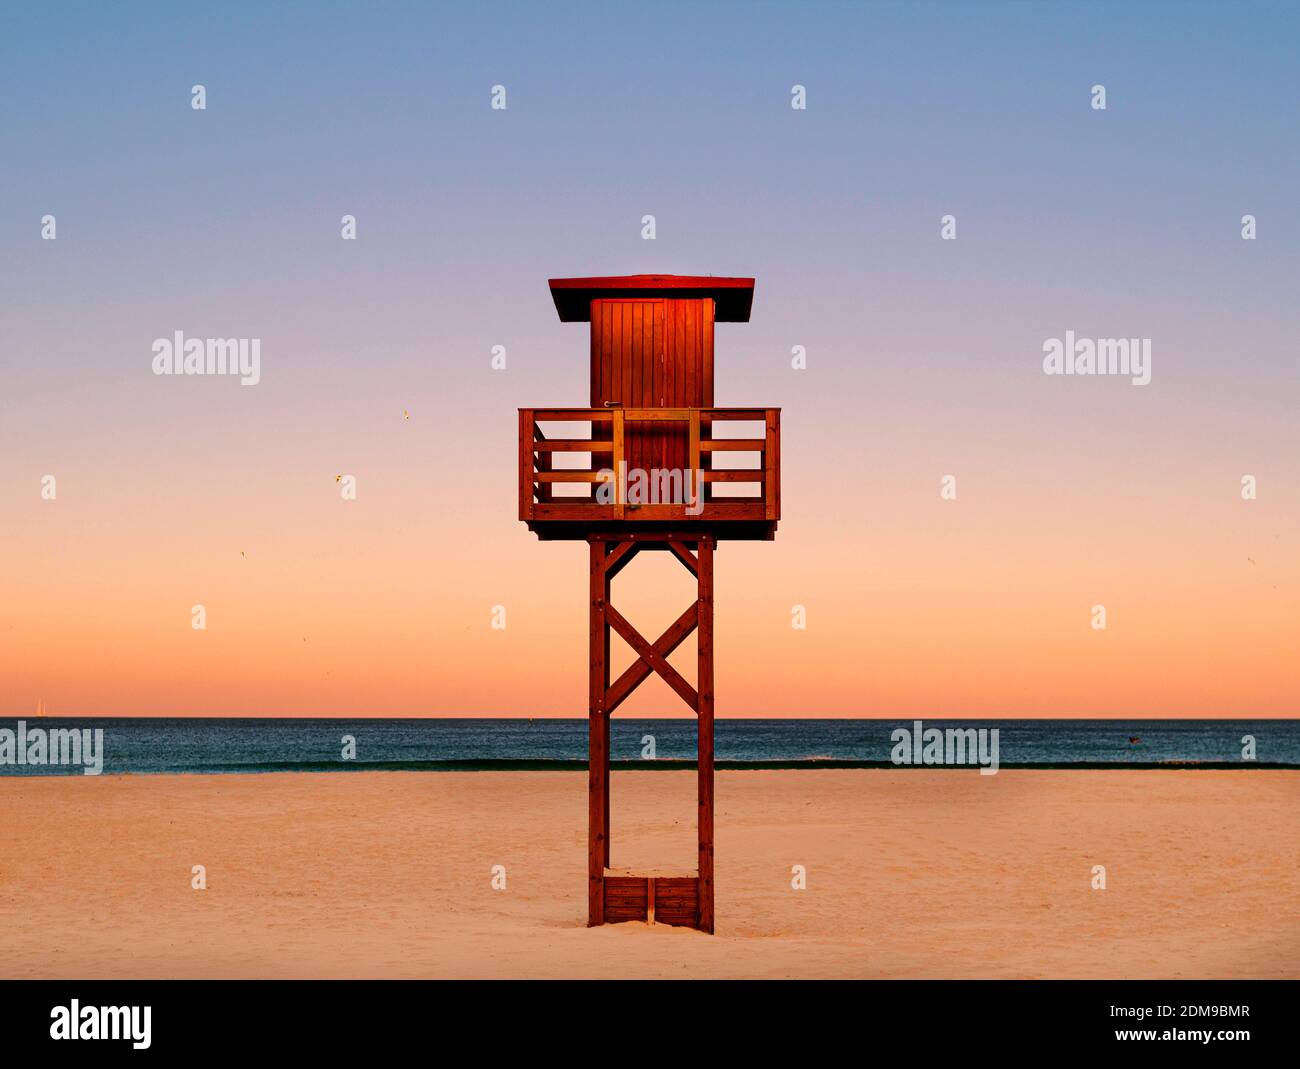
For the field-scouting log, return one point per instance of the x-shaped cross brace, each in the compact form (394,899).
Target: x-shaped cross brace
(651,657)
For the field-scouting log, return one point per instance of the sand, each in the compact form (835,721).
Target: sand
(935,873)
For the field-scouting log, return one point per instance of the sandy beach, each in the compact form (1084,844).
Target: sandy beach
(909,874)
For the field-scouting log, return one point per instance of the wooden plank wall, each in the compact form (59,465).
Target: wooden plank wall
(674,899)
(653,353)
(677,901)
(625,898)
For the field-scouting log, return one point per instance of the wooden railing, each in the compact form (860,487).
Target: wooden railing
(620,437)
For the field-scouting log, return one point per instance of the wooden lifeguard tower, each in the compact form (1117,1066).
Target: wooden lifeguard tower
(651,412)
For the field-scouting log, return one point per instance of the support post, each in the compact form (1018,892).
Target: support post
(704,686)
(606,717)
(597,741)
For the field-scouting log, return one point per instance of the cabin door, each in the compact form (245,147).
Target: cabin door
(632,368)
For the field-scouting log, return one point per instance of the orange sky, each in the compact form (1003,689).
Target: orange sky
(382,606)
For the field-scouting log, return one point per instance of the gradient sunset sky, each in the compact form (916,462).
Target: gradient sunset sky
(924,355)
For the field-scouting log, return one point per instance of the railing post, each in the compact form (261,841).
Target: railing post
(693,459)
(706,461)
(525,463)
(620,505)
(772,465)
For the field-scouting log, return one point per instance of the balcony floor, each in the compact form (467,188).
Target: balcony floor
(629,530)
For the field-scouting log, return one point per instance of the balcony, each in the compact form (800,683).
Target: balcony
(584,471)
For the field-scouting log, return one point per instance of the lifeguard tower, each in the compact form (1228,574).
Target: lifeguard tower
(652,465)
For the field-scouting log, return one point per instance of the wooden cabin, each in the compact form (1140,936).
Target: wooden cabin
(651,464)
(651,411)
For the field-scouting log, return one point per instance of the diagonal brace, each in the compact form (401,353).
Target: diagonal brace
(639,670)
(652,657)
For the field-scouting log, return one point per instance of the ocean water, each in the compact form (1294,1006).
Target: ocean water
(279,745)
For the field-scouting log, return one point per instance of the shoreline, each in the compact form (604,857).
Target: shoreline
(667,765)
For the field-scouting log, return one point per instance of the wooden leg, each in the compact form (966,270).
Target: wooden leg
(704,683)
(605,712)
(597,743)
(605,829)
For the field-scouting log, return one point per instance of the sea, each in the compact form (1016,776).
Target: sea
(140,746)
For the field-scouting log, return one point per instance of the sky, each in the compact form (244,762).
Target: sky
(924,355)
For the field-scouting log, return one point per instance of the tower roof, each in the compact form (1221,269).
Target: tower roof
(732,296)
